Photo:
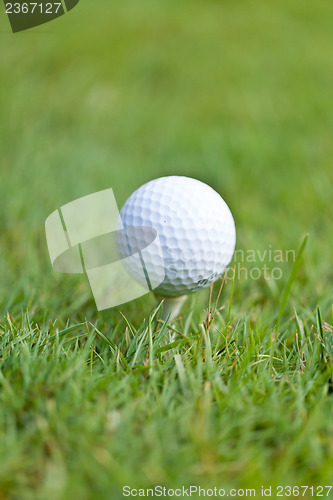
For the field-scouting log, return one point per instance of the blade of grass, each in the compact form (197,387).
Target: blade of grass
(291,279)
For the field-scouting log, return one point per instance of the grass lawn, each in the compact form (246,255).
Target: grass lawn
(236,94)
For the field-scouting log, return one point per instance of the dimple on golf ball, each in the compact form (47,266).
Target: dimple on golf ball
(195,228)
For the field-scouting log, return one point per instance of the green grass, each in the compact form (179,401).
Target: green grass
(238,95)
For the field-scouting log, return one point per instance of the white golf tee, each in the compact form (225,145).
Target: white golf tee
(172,306)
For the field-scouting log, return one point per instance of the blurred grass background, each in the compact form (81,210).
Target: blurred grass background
(237,94)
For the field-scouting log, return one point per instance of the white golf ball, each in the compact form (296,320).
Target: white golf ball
(195,228)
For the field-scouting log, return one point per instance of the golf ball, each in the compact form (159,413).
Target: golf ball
(195,228)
